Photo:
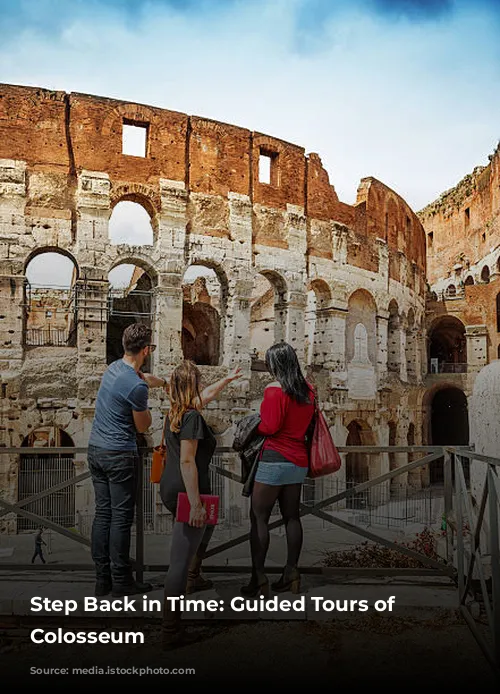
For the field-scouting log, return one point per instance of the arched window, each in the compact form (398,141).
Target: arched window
(130,224)
(50,306)
(485,274)
(130,301)
(203,314)
(451,291)
(469,281)
(267,315)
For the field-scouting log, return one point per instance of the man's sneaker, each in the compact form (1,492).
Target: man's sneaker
(102,588)
(131,589)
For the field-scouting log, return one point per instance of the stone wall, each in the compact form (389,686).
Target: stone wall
(62,171)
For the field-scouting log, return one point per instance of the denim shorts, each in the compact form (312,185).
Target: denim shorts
(277,474)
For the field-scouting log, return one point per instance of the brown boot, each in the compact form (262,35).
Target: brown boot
(171,627)
(195,581)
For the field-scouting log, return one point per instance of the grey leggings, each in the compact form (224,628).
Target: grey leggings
(187,541)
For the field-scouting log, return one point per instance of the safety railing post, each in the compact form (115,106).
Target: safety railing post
(493,500)
(448,504)
(139,519)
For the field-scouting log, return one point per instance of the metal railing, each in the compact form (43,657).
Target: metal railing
(49,337)
(471,535)
(447,367)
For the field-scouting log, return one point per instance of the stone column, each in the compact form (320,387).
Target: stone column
(12,233)
(93,211)
(477,346)
(403,372)
(335,342)
(237,329)
(382,336)
(484,415)
(295,326)
(168,299)
(237,337)
(172,223)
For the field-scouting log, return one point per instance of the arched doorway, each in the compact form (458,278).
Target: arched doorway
(447,346)
(39,471)
(130,301)
(449,426)
(49,299)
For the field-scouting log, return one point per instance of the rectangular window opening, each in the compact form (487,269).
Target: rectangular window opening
(268,168)
(134,138)
(264,168)
(430,237)
(467,216)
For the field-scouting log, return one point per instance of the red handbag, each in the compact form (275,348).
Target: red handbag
(324,457)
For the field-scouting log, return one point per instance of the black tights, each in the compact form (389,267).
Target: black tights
(264,497)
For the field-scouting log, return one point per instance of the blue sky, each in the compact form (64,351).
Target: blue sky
(404,90)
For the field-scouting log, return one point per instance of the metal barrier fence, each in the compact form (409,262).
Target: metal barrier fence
(472,535)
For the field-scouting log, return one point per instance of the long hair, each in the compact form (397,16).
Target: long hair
(283,364)
(184,393)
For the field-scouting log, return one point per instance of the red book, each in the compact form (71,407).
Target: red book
(209,501)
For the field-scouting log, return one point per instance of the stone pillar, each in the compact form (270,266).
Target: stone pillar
(237,337)
(335,339)
(237,329)
(382,335)
(403,372)
(93,211)
(172,223)
(295,325)
(167,323)
(484,415)
(477,346)
(12,233)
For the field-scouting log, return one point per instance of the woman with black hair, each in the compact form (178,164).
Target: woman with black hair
(286,414)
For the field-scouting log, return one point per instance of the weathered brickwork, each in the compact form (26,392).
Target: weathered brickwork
(62,172)
(463,256)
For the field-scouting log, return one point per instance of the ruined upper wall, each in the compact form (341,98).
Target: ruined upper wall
(59,135)
(462,226)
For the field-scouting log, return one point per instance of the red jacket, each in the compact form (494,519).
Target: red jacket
(285,422)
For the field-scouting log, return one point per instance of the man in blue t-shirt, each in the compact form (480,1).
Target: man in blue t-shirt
(121,412)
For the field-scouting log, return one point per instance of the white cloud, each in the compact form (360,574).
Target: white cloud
(416,105)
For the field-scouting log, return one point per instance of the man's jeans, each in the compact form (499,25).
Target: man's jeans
(114,475)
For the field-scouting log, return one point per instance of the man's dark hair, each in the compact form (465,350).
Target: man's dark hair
(136,337)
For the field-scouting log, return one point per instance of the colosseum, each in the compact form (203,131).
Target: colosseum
(242,242)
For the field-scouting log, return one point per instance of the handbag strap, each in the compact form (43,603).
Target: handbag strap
(163,431)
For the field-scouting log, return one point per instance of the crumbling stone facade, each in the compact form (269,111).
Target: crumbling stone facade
(63,171)
(463,255)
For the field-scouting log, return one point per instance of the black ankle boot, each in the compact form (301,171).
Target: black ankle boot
(289,581)
(259,585)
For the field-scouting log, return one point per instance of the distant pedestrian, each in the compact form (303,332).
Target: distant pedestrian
(38,546)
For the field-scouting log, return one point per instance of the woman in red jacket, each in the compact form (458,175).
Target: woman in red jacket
(286,414)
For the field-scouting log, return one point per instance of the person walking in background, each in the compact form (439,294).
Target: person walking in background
(190,445)
(121,412)
(38,546)
(286,414)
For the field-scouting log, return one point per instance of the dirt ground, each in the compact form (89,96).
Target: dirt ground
(393,652)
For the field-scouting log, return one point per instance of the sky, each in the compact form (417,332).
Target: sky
(407,91)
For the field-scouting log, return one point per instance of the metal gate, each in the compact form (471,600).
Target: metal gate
(41,471)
